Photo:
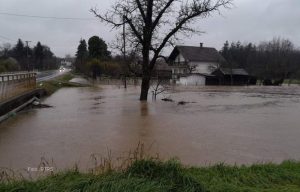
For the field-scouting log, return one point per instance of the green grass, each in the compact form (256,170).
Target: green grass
(293,81)
(66,77)
(171,176)
(57,83)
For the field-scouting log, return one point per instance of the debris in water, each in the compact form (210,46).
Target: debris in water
(184,102)
(99,103)
(44,106)
(168,100)
(37,104)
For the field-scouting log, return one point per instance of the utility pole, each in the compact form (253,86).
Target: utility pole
(124,54)
(27,59)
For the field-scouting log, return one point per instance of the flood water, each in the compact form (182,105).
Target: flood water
(221,124)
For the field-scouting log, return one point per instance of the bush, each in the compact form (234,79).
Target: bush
(112,69)
(9,64)
(95,68)
(2,68)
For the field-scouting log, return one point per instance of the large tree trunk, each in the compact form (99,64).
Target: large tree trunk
(146,75)
(145,88)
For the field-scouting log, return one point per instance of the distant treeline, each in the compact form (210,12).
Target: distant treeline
(21,57)
(273,60)
(270,61)
(94,59)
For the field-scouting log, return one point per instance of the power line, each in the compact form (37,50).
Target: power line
(6,38)
(10,40)
(46,17)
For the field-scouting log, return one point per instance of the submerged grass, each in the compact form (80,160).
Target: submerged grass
(154,175)
(57,83)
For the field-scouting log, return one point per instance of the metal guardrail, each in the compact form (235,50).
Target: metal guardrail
(14,84)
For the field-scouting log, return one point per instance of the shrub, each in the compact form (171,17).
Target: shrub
(9,64)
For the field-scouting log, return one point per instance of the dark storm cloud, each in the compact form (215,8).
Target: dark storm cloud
(247,21)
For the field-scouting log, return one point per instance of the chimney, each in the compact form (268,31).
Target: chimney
(201,45)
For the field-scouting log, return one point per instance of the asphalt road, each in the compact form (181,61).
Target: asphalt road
(48,75)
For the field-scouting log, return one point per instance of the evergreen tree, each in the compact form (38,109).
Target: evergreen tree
(81,55)
(49,60)
(82,52)
(272,60)
(19,53)
(98,48)
(38,56)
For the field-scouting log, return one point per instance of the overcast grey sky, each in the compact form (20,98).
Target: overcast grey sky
(247,21)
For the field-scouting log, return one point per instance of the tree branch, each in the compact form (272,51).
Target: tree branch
(186,14)
(135,31)
(141,9)
(106,18)
(161,13)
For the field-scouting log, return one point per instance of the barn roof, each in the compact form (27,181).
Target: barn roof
(227,71)
(191,53)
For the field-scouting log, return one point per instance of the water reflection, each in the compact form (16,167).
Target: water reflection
(144,108)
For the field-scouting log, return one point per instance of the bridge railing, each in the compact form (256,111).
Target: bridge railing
(14,84)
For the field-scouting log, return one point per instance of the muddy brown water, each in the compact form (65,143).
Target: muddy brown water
(221,124)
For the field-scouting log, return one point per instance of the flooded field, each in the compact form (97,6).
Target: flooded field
(220,124)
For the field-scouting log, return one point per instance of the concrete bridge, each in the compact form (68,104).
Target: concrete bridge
(14,84)
(17,90)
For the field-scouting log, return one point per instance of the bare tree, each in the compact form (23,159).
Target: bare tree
(4,49)
(158,88)
(129,60)
(155,24)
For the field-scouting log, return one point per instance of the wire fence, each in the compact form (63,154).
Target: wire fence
(14,84)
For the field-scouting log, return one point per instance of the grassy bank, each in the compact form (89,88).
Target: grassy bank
(62,81)
(293,81)
(153,175)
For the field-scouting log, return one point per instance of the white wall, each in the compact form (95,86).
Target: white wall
(192,80)
(204,67)
(66,63)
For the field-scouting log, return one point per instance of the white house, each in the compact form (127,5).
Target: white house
(66,63)
(193,65)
